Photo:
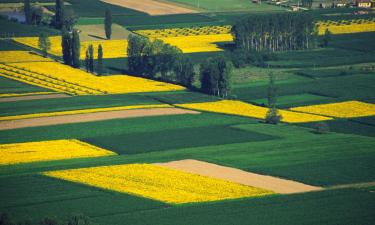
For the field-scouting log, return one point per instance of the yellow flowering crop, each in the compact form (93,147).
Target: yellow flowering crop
(20,56)
(346,109)
(244,109)
(82,111)
(66,79)
(48,151)
(178,32)
(159,183)
(346,27)
(25,94)
(199,43)
(111,48)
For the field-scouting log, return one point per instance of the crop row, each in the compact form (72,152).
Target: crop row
(178,32)
(45,80)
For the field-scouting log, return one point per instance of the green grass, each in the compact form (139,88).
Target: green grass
(182,97)
(9,45)
(299,154)
(12,29)
(175,139)
(37,196)
(343,88)
(72,103)
(118,126)
(13,86)
(287,101)
(225,5)
(344,207)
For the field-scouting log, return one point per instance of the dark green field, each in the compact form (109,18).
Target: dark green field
(12,86)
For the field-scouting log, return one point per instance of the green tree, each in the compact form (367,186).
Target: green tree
(76,49)
(66,44)
(91,58)
(108,24)
(87,61)
(184,70)
(273,116)
(27,11)
(136,45)
(44,43)
(100,60)
(69,19)
(59,14)
(327,38)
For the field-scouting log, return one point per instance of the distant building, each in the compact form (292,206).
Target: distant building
(363,3)
(339,4)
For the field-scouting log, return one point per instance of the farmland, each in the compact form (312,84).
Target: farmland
(187,114)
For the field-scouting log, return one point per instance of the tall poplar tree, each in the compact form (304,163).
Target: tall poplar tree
(59,14)
(44,43)
(91,58)
(108,24)
(100,60)
(76,49)
(27,11)
(66,44)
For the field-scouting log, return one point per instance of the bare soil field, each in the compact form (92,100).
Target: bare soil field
(96,32)
(89,117)
(151,7)
(33,97)
(274,184)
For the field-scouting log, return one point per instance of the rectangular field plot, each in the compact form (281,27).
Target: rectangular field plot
(42,196)
(295,100)
(239,108)
(175,139)
(156,182)
(347,109)
(48,151)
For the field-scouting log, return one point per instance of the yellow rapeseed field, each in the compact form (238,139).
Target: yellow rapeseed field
(48,151)
(114,84)
(177,32)
(83,111)
(20,56)
(245,109)
(159,183)
(346,27)
(348,109)
(198,43)
(111,48)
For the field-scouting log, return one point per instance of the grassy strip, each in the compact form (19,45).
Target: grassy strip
(73,103)
(13,86)
(175,139)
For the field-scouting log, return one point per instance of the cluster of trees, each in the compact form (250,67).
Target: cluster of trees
(307,3)
(34,14)
(275,32)
(215,75)
(150,58)
(71,47)
(89,60)
(5,219)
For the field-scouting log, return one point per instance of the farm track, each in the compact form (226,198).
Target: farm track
(277,185)
(151,7)
(91,117)
(33,97)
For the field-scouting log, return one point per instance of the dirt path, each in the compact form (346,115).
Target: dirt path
(89,117)
(151,7)
(274,184)
(33,97)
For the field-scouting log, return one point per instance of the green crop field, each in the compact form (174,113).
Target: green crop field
(336,155)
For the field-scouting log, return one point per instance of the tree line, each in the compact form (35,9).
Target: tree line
(149,58)
(275,32)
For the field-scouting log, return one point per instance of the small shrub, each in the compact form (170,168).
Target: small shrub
(273,116)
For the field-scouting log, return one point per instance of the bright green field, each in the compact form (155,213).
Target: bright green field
(227,5)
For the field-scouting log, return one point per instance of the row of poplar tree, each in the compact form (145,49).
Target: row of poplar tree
(275,32)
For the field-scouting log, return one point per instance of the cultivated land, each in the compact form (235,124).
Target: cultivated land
(122,149)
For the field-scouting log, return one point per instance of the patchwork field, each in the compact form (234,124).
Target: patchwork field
(155,182)
(116,148)
(47,151)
